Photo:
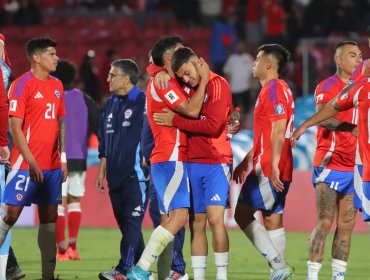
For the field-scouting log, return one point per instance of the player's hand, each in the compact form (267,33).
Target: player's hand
(99,183)
(36,174)
(240,172)
(355,132)
(202,69)
(366,68)
(64,171)
(234,128)
(275,181)
(296,134)
(164,118)
(161,79)
(4,154)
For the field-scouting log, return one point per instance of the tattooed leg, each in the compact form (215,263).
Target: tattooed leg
(346,222)
(326,205)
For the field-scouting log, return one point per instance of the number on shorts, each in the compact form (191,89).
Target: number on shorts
(21,180)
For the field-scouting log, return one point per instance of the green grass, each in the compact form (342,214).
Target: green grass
(99,249)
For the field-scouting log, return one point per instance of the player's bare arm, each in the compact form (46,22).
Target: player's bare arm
(335,124)
(277,144)
(2,52)
(62,146)
(328,111)
(366,68)
(101,174)
(191,108)
(241,171)
(19,139)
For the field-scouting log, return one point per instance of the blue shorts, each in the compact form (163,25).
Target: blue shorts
(258,193)
(357,197)
(21,191)
(340,181)
(210,185)
(171,182)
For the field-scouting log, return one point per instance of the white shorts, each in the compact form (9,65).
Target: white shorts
(75,184)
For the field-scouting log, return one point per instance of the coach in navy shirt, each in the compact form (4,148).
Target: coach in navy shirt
(120,160)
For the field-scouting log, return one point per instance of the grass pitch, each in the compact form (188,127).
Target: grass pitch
(99,250)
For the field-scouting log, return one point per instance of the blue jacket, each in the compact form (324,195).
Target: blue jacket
(119,137)
(147,140)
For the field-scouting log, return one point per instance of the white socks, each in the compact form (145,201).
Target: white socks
(313,269)
(47,243)
(338,268)
(259,237)
(3,262)
(278,238)
(199,263)
(222,263)
(157,242)
(4,228)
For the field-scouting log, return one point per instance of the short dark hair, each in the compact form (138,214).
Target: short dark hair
(279,52)
(128,67)
(39,44)
(181,56)
(66,72)
(343,43)
(162,45)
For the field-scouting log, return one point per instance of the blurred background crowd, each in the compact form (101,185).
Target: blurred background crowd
(92,33)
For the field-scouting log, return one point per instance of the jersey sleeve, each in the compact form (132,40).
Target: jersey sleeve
(3,112)
(18,97)
(173,95)
(217,112)
(277,103)
(153,69)
(321,95)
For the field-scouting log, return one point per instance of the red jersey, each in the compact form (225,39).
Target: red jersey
(170,144)
(275,102)
(335,150)
(357,76)
(7,60)
(39,104)
(359,96)
(207,137)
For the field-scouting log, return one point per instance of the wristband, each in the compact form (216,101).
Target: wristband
(63,157)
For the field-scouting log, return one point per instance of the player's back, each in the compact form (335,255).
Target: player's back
(275,102)
(39,104)
(170,142)
(208,141)
(335,150)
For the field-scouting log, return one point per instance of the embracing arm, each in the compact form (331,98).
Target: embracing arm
(333,123)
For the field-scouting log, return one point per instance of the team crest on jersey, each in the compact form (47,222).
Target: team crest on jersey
(19,196)
(57,93)
(128,113)
(344,96)
(279,109)
(171,96)
(13,105)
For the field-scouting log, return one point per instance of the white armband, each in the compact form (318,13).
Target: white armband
(63,157)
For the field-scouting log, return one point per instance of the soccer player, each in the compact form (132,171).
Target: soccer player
(36,175)
(333,168)
(169,156)
(266,187)
(171,262)
(210,162)
(82,116)
(119,152)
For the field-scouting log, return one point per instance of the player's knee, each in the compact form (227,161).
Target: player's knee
(242,219)
(324,225)
(10,219)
